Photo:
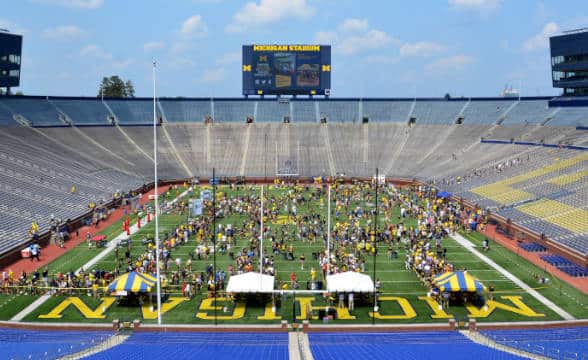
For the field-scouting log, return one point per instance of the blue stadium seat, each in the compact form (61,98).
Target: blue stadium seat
(46,344)
(176,346)
(565,343)
(402,345)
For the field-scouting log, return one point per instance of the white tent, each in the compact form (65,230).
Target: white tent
(250,282)
(350,281)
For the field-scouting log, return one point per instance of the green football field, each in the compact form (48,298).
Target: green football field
(403,295)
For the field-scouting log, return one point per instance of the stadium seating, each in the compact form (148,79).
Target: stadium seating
(532,247)
(487,111)
(46,344)
(132,112)
(170,345)
(84,112)
(437,112)
(564,343)
(233,110)
(401,345)
(569,116)
(6,114)
(304,111)
(528,112)
(272,111)
(387,111)
(565,265)
(339,111)
(180,110)
(41,164)
(37,111)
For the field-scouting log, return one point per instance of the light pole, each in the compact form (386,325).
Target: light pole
(158,275)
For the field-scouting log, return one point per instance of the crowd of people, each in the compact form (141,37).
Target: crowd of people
(413,220)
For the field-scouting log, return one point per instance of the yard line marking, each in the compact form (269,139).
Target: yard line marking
(29,309)
(111,245)
(542,299)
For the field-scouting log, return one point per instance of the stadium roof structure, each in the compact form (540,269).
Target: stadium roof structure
(250,282)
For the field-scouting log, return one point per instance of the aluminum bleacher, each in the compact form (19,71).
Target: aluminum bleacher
(437,112)
(37,111)
(184,110)
(233,110)
(304,111)
(132,112)
(386,110)
(528,112)
(485,111)
(272,111)
(84,111)
(339,111)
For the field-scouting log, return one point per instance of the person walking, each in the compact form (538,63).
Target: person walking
(35,251)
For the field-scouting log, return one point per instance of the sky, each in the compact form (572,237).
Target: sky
(385,48)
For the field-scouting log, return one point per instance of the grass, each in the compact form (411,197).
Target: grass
(563,294)
(81,254)
(11,305)
(396,281)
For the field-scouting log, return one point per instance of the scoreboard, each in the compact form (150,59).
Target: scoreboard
(10,59)
(286,70)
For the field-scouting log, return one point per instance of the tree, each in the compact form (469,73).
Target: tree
(130,89)
(447,96)
(115,87)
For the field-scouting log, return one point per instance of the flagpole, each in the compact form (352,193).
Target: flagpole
(329,230)
(375,247)
(158,275)
(214,241)
(261,242)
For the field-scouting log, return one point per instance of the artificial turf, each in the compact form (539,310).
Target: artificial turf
(396,281)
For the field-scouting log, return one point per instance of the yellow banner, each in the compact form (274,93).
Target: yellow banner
(310,48)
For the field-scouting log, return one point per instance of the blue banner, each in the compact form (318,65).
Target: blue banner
(197,207)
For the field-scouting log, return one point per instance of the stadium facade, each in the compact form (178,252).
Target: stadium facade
(569,62)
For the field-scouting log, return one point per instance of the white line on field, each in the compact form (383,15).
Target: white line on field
(542,299)
(111,245)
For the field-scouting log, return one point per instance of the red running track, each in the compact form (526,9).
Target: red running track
(577,282)
(52,252)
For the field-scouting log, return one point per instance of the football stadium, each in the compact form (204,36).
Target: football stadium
(284,221)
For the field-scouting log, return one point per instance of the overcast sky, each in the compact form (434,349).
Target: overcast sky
(380,48)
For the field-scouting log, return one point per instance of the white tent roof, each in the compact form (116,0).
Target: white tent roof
(350,281)
(250,282)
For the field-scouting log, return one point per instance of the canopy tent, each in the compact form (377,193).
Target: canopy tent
(350,281)
(443,194)
(132,282)
(250,282)
(458,281)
